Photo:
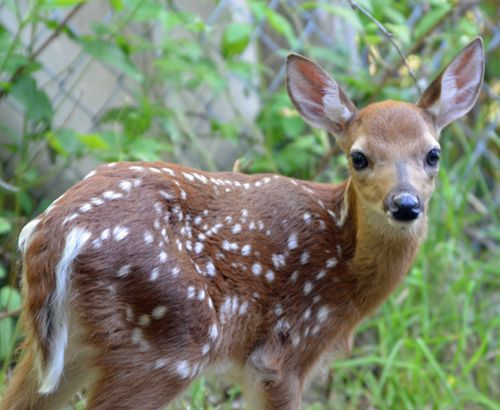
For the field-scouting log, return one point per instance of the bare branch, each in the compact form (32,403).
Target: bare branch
(12,313)
(8,187)
(20,71)
(390,37)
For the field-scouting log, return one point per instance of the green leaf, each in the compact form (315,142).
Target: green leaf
(3,272)
(147,149)
(346,13)
(93,141)
(35,102)
(401,31)
(50,4)
(116,4)
(64,141)
(110,54)
(293,125)
(5,225)
(282,26)
(235,39)
(10,300)
(430,19)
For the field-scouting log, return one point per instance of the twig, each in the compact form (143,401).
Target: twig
(8,187)
(419,42)
(390,37)
(20,71)
(4,315)
(325,160)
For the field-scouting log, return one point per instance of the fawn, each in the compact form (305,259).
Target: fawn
(145,275)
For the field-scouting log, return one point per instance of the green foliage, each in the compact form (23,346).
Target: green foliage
(434,344)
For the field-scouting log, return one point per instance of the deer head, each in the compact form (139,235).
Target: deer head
(392,147)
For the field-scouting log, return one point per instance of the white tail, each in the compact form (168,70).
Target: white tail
(157,273)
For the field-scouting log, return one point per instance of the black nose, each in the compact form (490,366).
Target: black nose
(406,207)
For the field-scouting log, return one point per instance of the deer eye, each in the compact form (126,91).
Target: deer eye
(432,158)
(359,161)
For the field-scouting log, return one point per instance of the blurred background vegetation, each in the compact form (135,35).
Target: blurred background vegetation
(202,83)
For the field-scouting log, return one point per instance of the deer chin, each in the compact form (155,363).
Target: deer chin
(414,228)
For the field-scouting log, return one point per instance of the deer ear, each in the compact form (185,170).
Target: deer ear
(455,91)
(317,96)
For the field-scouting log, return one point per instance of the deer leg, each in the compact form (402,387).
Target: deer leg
(22,391)
(135,385)
(283,395)
(274,395)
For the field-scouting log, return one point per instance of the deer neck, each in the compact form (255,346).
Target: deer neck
(382,255)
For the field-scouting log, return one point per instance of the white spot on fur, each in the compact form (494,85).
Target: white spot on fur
(183,368)
(198,247)
(96,201)
(85,207)
(294,276)
(332,262)
(304,258)
(125,185)
(278,260)
(322,314)
(188,176)
(105,234)
(162,257)
(167,195)
(144,320)
(246,249)
(321,274)
(230,246)
(236,229)
(69,218)
(111,195)
(307,287)
(120,233)
(307,217)
(292,241)
(123,271)
(160,363)
(243,308)
(201,294)
(210,269)
(213,332)
(270,275)
(159,312)
(154,274)
(168,171)
(257,269)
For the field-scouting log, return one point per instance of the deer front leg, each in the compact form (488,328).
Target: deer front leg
(269,384)
(261,394)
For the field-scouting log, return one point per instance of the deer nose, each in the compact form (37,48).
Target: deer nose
(405,206)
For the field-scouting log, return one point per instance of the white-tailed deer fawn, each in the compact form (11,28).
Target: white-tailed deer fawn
(145,275)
